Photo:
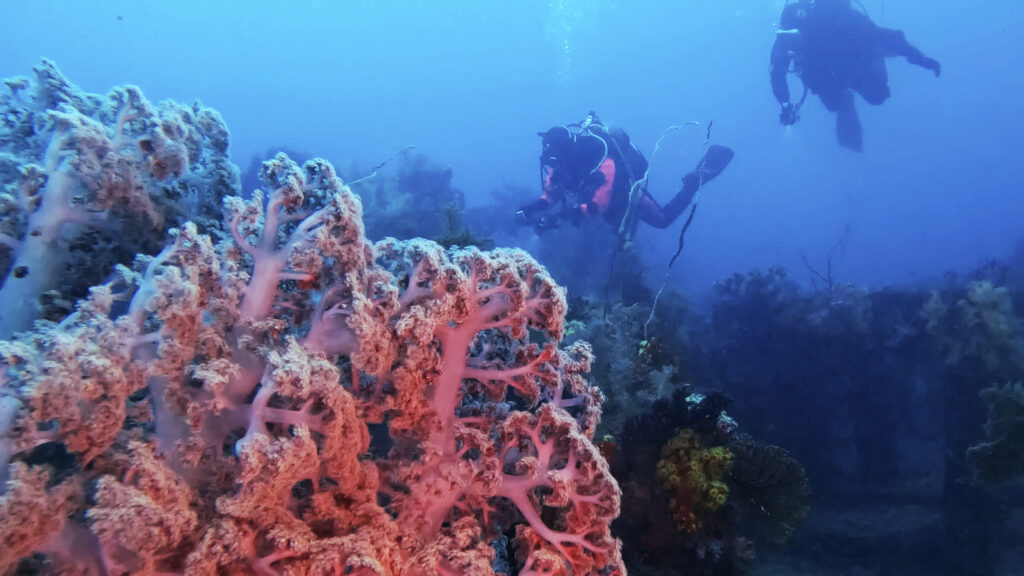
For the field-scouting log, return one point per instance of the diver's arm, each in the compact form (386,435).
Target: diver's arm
(782,56)
(534,207)
(528,214)
(552,194)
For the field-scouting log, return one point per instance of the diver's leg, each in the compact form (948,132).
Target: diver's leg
(649,211)
(848,130)
(894,43)
(875,92)
(830,99)
(873,82)
(710,166)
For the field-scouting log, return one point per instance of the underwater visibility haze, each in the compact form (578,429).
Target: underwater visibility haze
(537,287)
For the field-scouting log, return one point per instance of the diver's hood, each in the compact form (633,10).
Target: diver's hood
(555,144)
(578,152)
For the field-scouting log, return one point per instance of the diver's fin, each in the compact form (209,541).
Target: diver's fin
(711,165)
(848,130)
(714,161)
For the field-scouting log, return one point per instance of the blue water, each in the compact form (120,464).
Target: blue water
(469,83)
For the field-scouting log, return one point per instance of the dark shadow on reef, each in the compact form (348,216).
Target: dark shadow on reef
(903,405)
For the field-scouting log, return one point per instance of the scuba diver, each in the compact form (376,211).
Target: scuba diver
(588,169)
(836,50)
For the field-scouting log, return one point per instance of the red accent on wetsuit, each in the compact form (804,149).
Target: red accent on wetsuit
(603,196)
(547,187)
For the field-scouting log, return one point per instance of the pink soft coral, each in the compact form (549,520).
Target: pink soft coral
(239,389)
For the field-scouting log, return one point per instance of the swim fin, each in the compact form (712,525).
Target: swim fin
(714,161)
(711,165)
(848,130)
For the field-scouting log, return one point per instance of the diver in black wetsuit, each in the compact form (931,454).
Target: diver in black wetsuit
(588,169)
(837,50)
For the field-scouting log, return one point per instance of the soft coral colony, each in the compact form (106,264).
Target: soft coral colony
(278,395)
